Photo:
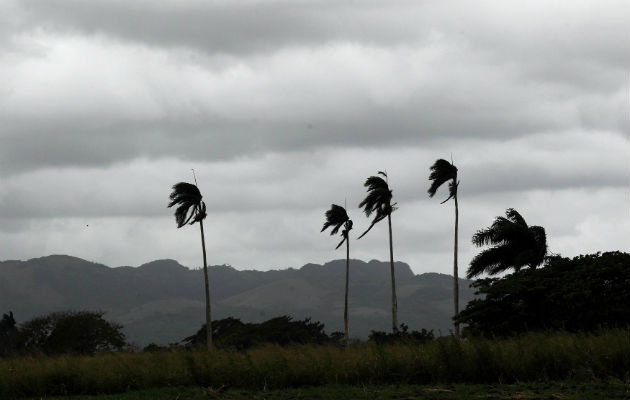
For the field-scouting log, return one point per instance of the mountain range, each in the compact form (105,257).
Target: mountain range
(163,301)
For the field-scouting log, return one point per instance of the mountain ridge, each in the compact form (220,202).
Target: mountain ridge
(162,300)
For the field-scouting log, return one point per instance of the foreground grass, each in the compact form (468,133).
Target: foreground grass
(610,390)
(530,358)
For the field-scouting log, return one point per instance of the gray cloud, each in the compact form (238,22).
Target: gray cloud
(284,107)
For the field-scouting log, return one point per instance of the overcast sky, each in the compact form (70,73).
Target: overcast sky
(284,107)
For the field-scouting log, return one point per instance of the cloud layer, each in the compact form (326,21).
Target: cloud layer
(284,107)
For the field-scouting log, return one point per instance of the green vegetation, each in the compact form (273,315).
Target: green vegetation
(580,294)
(514,245)
(231,333)
(534,357)
(610,390)
(75,332)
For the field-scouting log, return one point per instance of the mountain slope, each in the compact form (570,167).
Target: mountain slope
(162,301)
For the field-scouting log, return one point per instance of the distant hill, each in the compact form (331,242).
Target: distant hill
(162,301)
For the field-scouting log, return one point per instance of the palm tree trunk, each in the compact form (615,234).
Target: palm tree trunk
(205,275)
(455,275)
(391,263)
(345,310)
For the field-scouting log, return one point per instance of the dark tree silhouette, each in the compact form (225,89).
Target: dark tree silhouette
(8,334)
(191,209)
(79,332)
(379,202)
(515,245)
(584,294)
(443,171)
(337,217)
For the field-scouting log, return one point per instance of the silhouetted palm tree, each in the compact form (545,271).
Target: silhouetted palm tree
(338,217)
(516,245)
(379,202)
(191,209)
(443,171)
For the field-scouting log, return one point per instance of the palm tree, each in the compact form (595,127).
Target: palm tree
(441,172)
(516,245)
(191,209)
(379,202)
(338,217)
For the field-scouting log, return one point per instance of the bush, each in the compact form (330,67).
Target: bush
(402,336)
(231,332)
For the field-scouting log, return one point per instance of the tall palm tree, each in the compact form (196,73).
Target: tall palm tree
(338,217)
(191,209)
(516,245)
(379,202)
(443,171)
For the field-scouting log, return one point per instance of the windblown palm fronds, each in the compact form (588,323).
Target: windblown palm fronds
(378,200)
(515,245)
(187,197)
(337,217)
(441,172)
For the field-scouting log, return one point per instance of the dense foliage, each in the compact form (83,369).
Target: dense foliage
(77,332)
(233,333)
(585,293)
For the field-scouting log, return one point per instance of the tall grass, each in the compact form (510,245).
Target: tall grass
(531,357)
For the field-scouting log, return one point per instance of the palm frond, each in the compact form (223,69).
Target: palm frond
(515,245)
(441,172)
(379,196)
(540,238)
(378,200)
(376,220)
(515,217)
(187,197)
(492,260)
(335,217)
(345,237)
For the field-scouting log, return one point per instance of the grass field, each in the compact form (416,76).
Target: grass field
(535,357)
(609,390)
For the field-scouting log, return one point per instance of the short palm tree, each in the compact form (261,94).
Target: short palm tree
(379,202)
(443,171)
(337,217)
(191,209)
(515,245)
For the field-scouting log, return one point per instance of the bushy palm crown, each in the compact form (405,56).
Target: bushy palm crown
(338,217)
(190,208)
(378,200)
(516,245)
(442,171)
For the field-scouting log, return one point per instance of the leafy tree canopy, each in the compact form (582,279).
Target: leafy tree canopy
(79,332)
(585,293)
